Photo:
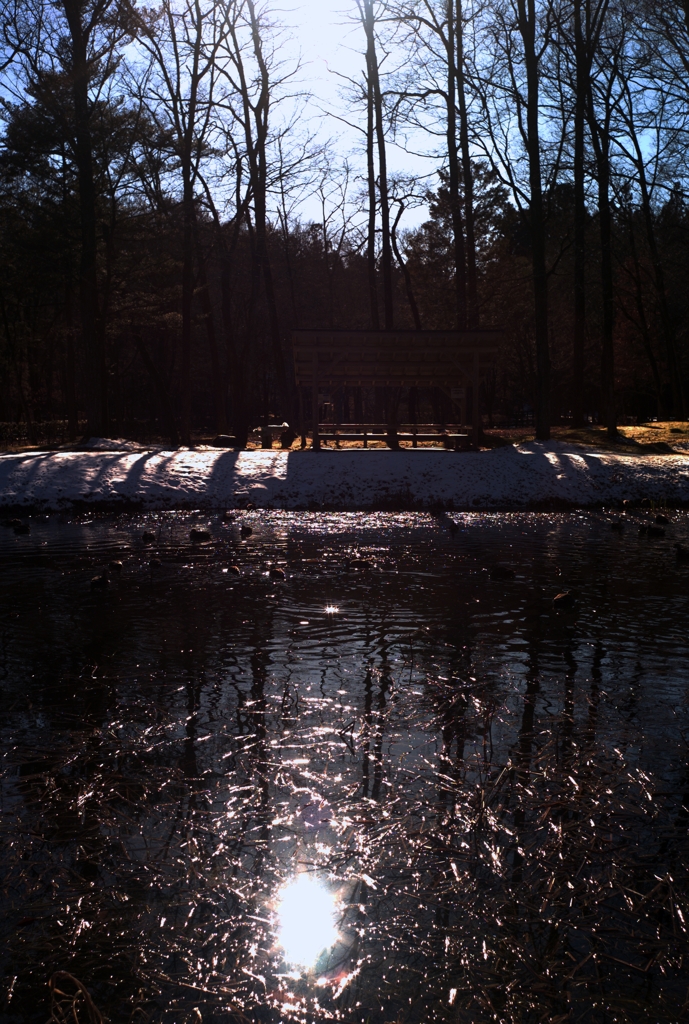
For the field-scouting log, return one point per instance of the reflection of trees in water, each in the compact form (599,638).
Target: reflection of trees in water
(373,729)
(540,887)
(525,740)
(491,840)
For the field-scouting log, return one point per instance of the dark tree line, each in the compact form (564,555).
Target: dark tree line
(152,162)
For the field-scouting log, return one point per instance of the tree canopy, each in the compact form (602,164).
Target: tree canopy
(154,163)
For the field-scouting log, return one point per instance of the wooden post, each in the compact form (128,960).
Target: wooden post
(316,442)
(392,440)
(338,414)
(476,424)
(302,426)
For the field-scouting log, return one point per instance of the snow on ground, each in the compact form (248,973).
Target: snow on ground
(518,476)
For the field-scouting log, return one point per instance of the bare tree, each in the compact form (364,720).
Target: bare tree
(610,113)
(371,257)
(406,194)
(183,41)
(335,224)
(651,135)
(580,25)
(226,236)
(533,47)
(599,118)
(467,169)
(375,123)
(256,79)
(517,42)
(452,35)
(358,94)
(436,85)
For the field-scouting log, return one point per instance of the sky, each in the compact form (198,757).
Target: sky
(329,41)
(327,37)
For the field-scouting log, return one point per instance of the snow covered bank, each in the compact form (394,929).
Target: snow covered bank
(519,476)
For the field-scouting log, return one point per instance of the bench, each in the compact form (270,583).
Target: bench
(450,437)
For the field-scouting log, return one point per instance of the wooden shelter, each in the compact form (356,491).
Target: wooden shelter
(422,359)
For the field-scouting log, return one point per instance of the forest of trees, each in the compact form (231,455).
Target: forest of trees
(153,161)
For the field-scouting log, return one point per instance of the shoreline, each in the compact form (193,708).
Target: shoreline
(536,476)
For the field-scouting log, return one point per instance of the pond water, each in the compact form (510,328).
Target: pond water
(401,784)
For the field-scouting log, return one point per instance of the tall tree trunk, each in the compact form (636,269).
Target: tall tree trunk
(472,308)
(70,369)
(527,28)
(240,425)
(453,173)
(234,362)
(588,17)
(373,76)
(643,322)
(161,390)
(187,297)
(218,386)
(601,145)
(258,167)
(607,288)
(405,271)
(186,58)
(15,359)
(581,92)
(25,401)
(188,219)
(96,392)
(271,302)
(371,175)
(284,223)
(673,363)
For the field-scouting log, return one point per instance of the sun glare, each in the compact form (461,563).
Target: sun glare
(307,921)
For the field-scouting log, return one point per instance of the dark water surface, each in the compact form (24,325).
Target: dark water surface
(493,787)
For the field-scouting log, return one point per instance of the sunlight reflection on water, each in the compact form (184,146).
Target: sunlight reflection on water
(307,921)
(226,787)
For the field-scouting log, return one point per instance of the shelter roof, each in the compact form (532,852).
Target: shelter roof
(392,358)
